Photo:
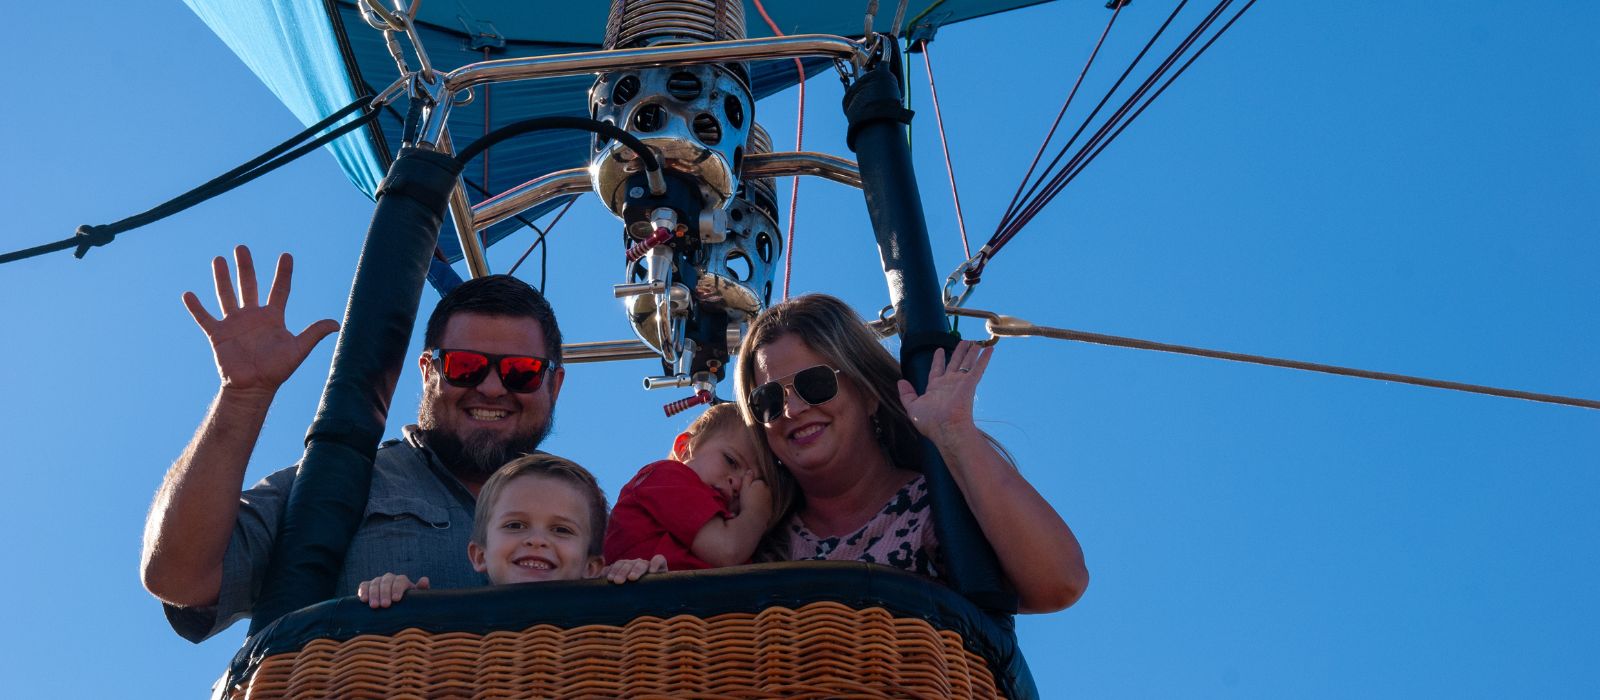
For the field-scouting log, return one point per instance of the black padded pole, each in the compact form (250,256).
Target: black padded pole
(877,134)
(330,489)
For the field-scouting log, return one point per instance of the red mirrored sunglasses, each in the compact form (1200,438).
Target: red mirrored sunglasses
(521,374)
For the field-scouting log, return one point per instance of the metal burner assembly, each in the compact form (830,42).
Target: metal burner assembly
(702,255)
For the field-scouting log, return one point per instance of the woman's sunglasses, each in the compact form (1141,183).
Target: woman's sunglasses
(814,385)
(468,368)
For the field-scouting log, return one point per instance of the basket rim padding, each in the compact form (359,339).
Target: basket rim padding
(569,604)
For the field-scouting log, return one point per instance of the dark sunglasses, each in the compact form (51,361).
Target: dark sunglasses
(814,385)
(468,368)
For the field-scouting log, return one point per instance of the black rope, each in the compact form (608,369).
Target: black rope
(542,233)
(610,131)
(87,236)
(544,267)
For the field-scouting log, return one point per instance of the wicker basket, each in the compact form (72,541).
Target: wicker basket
(818,649)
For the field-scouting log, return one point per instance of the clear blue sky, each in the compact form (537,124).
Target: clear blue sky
(1408,187)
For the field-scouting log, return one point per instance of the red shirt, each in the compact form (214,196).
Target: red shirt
(659,512)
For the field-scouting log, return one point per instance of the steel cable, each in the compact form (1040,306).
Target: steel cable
(999,325)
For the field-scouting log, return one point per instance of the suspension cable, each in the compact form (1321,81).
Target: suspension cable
(1011,211)
(1064,105)
(938,117)
(1083,161)
(1120,119)
(799,138)
(1054,179)
(999,325)
(1035,202)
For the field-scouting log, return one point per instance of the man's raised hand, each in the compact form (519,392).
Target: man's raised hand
(254,350)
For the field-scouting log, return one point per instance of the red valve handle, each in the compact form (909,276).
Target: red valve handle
(681,405)
(638,250)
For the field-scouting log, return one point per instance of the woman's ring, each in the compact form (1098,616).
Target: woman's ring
(963,370)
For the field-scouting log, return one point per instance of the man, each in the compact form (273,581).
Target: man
(491,372)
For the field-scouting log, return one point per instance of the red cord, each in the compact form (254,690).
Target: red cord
(486,115)
(799,138)
(938,117)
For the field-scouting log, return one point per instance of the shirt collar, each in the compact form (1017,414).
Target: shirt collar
(415,437)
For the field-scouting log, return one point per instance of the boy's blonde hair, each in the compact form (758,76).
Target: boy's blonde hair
(549,466)
(726,417)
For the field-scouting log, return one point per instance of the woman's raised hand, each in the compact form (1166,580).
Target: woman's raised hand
(254,350)
(946,406)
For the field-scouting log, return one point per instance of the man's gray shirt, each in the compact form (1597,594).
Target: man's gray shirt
(417,522)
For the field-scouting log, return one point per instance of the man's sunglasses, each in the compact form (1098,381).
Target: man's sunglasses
(468,368)
(814,385)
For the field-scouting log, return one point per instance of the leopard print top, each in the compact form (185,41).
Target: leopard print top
(901,535)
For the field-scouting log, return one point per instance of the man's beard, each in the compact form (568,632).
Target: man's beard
(477,454)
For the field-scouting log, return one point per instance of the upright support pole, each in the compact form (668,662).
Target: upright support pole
(877,134)
(329,494)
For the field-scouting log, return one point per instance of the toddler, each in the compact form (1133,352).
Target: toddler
(707,506)
(539,518)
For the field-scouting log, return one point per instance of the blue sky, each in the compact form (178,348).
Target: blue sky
(1396,186)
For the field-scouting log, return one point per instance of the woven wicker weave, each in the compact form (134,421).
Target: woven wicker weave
(820,650)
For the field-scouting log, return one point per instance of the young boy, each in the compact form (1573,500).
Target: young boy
(707,506)
(539,518)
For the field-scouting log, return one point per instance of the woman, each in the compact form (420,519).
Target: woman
(830,404)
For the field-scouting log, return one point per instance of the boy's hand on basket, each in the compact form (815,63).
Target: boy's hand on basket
(633,569)
(388,589)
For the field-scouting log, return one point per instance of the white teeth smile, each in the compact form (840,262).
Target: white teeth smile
(533,564)
(486,414)
(805,432)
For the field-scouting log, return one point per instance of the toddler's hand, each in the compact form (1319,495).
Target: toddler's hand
(755,498)
(388,589)
(633,569)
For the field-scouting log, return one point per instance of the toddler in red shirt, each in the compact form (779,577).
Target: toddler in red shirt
(707,506)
